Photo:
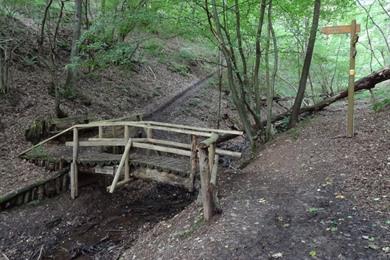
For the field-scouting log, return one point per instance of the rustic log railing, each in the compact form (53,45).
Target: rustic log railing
(203,155)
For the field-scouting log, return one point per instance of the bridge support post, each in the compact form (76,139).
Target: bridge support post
(73,168)
(206,188)
(127,165)
(194,158)
(101,136)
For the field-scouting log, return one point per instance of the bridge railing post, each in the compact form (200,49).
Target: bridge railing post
(206,150)
(193,158)
(101,136)
(127,165)
(74,169)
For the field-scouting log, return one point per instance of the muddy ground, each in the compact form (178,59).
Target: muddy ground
(99,225)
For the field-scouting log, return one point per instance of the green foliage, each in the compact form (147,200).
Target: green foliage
(40,153)
(153,47)
(99,50)
(186,54)
(178,68)
(68,93)
(381,105)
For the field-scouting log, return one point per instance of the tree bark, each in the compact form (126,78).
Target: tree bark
(271,86)
(226,47)
(306,65)
(42,35)
(5,57)
(71,70)
(256,84)
(366,83)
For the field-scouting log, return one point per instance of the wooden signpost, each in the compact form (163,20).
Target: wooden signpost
(353,29)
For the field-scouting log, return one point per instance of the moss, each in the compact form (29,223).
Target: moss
(37,131)
(178,68)
(39,153)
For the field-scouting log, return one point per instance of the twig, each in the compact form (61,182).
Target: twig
(154,75)
(6,257)
(40,253)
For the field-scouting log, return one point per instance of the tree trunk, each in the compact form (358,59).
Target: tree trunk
(256,84)
(3,87)
(306,65)
(236,89)
(365,83)
(270,96)
(71,70)
(42,35)
(267,80)
(4,70)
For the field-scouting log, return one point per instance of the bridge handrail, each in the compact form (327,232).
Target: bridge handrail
(196,131)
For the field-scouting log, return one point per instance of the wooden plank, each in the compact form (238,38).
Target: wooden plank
(203,129)
(127,166)
(340,29)
(136,145)
(120,142)
(111,142)
(188,146)
(92,139)
(142,125)
(168,143)
(108,170)
(121,163)
(162,149)
(120,184)
(74,170)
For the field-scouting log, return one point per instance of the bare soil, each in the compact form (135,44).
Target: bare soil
(310,193)
(102,94)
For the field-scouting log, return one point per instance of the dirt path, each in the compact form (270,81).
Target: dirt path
(311,194)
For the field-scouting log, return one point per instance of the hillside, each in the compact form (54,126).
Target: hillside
(194,129)
(310,193)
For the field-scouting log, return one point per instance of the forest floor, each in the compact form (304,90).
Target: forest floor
(310,193)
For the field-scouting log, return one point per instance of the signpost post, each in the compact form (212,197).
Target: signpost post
(353,29)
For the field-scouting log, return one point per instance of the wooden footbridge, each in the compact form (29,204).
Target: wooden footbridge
(146,153)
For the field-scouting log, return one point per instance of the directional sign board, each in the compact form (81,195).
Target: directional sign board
(353,29)
(340,29)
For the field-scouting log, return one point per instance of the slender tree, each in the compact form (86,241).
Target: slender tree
(71,71)
(271,81)
(306,65)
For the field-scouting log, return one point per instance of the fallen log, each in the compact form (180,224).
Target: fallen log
(366,83)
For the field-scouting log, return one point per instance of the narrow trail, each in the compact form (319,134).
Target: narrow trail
(309,193)
(162,112)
